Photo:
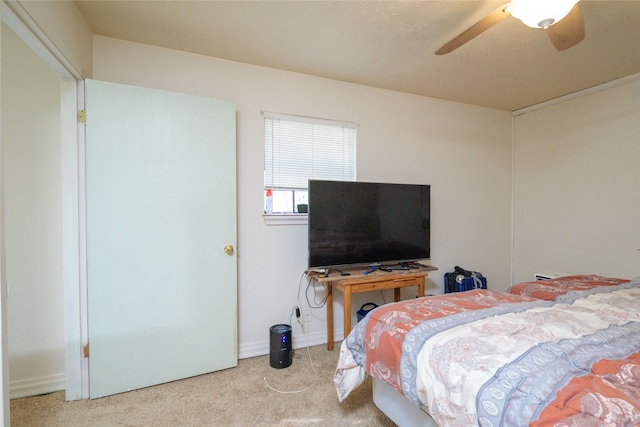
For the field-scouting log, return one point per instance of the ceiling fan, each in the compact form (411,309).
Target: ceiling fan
(561,19)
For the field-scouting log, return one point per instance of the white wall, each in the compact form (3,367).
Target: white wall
(577,185)
(32,183)
(463,151)
(61,28)
(5,418)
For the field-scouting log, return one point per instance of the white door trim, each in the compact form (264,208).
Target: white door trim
(74,254)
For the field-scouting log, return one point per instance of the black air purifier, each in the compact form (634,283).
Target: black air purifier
(281,354)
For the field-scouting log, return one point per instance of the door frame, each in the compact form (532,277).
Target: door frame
(73,208)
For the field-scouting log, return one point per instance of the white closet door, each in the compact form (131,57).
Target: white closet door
(161,207)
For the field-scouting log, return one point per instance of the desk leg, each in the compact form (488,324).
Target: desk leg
(347,310)
(396,294)
(329,303)
(421,289)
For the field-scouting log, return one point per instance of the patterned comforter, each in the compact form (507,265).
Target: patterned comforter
(552,288)
(489,359)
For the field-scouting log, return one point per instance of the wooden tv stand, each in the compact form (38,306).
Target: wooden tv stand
(357,281)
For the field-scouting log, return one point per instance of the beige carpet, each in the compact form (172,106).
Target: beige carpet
(233,397)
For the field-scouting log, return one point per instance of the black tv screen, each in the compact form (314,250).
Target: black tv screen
(366,223)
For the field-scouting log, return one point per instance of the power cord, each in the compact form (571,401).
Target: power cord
(297,391)
(317,303)
(384,301)
(296,310)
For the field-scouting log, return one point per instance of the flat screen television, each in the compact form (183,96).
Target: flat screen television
(366,223)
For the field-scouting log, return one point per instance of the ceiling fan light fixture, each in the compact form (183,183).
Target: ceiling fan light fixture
(541,13)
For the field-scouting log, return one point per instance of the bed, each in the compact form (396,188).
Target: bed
(550,289)
(487,358)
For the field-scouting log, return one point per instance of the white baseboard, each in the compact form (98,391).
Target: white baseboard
(56,382)
(36,386)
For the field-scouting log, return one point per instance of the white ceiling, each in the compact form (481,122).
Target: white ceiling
(389,44)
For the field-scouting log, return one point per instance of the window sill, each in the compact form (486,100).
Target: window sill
(285,219)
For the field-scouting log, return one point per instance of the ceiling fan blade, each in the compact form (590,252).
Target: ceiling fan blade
(569,31)
(475,30)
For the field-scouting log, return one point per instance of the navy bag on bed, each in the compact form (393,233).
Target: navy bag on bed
(461,280)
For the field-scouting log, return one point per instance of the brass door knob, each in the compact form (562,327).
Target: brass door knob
(228,249)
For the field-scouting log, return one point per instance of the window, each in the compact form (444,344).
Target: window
(297,149)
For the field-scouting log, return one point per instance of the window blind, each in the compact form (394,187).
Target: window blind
(298,148)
